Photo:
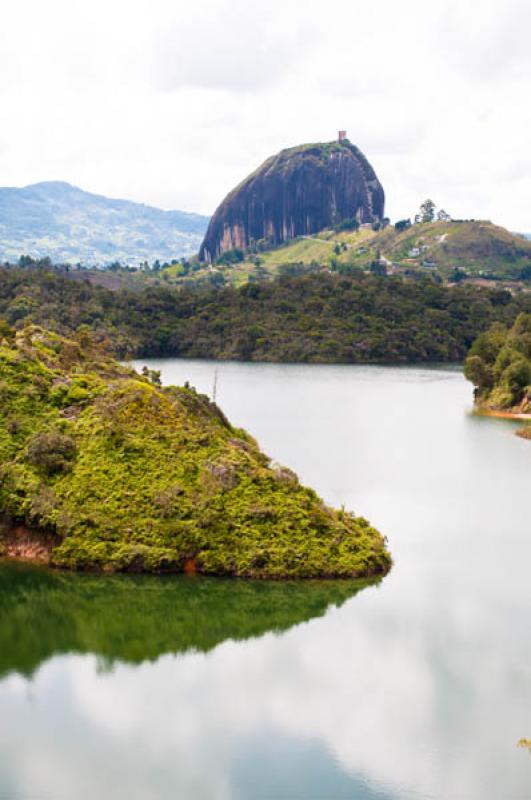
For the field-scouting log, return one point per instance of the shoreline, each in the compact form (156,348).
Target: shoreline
(486,412)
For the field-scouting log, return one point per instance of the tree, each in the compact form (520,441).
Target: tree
(377,267)
(350,224)
(402,225)
(457,275)
(152,375)
(426,211)
(442,216)
(479,373)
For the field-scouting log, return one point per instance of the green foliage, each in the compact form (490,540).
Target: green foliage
(231,256)
(51,451)
(370,318)
(152,375)
(378,268)
(140,477)
(426,212)
(402,225)
(499,365)
(350,224)
(479,373)
(457,275)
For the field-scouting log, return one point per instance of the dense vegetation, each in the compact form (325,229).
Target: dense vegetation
(499,365)
(319,317)
(132,618)
(123,474)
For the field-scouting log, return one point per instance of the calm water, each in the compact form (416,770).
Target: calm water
(418,687)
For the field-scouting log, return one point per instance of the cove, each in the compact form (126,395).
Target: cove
(415,687)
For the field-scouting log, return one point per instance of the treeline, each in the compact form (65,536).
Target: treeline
(499,365)
(314,318)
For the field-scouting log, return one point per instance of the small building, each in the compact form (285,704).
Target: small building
(341,136)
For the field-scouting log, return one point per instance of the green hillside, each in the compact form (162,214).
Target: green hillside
(499,365)
(319,317)
(106,469)
(476,249)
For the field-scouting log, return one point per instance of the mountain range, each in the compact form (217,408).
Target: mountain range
(67,224)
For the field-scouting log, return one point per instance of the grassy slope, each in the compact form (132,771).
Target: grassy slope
(480,248)
(477,247)
(132,476)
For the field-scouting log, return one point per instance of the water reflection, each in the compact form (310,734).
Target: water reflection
(416,689)
(138,618)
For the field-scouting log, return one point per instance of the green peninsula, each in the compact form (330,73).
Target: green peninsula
(102,468)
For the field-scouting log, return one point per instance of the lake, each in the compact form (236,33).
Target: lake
(415,687)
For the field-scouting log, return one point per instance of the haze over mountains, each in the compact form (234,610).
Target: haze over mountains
(67,224)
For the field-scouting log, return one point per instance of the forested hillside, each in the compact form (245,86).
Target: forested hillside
(499,365)
(64,223)
(318,317)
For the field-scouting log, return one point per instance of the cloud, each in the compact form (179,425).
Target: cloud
(224,46)
(173,103)
(375,694)
(487,46)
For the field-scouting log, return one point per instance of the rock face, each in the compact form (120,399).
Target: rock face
(300,191)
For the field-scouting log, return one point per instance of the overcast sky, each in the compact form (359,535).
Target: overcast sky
(171,103)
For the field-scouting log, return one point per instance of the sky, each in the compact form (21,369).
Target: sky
(172,103)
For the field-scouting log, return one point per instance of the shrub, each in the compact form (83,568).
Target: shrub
(350,224)
(52,452)
(6,331)
(516,377)
(402,225)
(233,256)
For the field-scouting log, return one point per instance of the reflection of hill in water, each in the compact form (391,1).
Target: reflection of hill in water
(130,618)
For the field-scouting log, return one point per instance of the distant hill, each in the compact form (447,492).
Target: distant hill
(65,223)
(477,250)
(478,247)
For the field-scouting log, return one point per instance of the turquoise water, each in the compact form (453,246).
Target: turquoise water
(416,687)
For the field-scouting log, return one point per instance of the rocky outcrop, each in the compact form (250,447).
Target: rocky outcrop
(25,544)
(298,192)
